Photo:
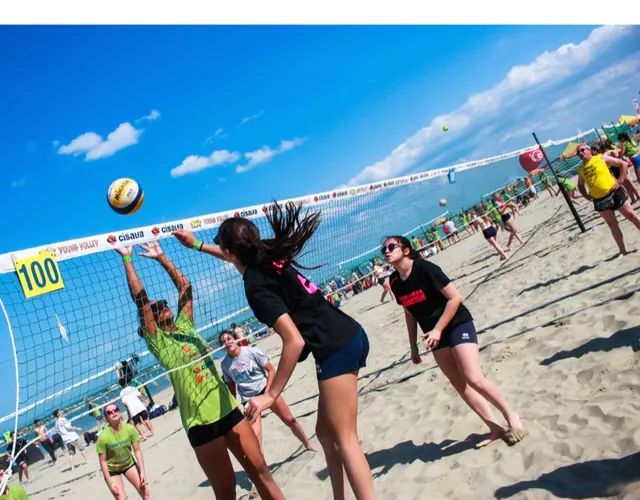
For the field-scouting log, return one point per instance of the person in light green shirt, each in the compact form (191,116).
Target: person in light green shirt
(569,187)
(119,453)
(13,491)
(209,412)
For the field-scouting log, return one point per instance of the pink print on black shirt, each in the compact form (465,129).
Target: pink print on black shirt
(413,298)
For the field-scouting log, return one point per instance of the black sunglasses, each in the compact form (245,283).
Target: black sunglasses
(115,411)
(159,305)
(390,247)
(581,150)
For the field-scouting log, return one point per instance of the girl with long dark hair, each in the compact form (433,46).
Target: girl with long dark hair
(213,423)
(282,298)
(433,302)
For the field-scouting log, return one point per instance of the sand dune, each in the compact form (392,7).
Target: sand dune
(560,334)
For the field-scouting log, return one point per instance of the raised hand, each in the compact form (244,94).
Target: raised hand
(124,251)
(151,250)
(186,238)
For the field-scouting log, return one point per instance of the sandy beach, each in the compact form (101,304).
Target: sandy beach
(560,335)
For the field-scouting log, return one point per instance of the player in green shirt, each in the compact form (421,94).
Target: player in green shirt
(120,455)
(569,187)
(13,491)
(209,412)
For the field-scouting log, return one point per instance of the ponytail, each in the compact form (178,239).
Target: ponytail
(292,229)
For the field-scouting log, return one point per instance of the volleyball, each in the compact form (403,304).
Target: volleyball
(443,202)
(125,196)
(445,128)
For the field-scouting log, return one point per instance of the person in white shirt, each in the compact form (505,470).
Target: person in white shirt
(132,400)
(70,438)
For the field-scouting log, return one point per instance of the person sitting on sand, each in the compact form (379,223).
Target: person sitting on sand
(249,371)
(209,413)
(607,194)
(432,301)
(120,455)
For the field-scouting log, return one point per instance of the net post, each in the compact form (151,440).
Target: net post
(7,475)
(576,216)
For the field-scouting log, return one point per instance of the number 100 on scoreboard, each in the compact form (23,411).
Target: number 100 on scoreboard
(39,274)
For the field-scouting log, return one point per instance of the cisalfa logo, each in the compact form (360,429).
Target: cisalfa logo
(155,231)
(236,214)
(111,239)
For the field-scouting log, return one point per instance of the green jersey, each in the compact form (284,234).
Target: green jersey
(631,148)
(15,492)
(566,184)
(95,412)
(118,447)
(203,398)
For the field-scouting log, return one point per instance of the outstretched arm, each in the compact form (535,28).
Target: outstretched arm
(185,291)
(138,293)
(189,240)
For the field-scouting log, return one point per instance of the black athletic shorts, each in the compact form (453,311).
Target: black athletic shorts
(505,218)
(203,434)
(613,201)
(380,281)
(143,415)
(464,333)
(489,233)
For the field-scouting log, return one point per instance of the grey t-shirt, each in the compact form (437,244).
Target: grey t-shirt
(247,371)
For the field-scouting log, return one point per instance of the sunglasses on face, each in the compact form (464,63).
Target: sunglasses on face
(389,248)
(581,150)
(115,411)
(158,306)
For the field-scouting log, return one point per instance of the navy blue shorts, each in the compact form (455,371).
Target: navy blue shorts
(347,359)
(464,333)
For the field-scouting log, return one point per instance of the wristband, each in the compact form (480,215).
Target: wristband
(109,483)
(126,258)
(198,245)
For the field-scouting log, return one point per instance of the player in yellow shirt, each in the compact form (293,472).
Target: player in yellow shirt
(605,191)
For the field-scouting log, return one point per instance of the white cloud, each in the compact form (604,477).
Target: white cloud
(601,81)
(265,153)
(154,115)
(546,69)
(212,138)
(195,163)
(539,126)
(247,119)
(17,184)
(94,147)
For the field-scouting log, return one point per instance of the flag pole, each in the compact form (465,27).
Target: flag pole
(576,216)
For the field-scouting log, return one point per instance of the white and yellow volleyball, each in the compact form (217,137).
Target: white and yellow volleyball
(125,196)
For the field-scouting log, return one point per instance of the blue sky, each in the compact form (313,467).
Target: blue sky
(295,109)
(209,119)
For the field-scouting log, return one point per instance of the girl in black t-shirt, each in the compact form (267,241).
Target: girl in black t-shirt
(284,299)
(432,301)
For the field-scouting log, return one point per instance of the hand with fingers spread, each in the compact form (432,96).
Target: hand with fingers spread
(186,238)
(152,250)
(432,338)
(124,251)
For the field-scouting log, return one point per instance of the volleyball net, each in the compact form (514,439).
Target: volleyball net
(70,318)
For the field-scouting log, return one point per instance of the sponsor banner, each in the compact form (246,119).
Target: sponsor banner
(107,242)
